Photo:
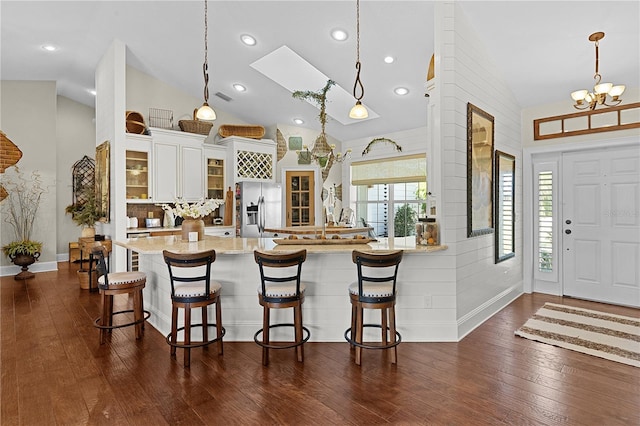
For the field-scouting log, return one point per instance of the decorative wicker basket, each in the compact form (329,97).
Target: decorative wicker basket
(245,131)
(195,126)
(134,122)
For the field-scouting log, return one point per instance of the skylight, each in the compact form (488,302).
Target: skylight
(291,71)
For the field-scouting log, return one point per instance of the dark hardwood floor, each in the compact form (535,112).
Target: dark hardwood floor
(55,372)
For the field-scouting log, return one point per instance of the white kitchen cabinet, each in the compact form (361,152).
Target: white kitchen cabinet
(220,231)
(178,166)
(250,160)
(138,162)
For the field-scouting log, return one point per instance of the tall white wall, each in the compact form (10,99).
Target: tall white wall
(467,74)
(110,114)
(28,118)
(76,138)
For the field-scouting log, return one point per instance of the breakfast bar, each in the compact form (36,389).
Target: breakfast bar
(327,273)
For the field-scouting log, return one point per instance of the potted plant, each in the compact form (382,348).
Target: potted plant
(85,211)
(23,196)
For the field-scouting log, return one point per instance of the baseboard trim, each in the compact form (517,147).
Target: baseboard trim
(36,267)
(470,321)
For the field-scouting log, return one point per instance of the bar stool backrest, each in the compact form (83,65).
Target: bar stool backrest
(99,253)
(270,263)
(376,268)
(177,264)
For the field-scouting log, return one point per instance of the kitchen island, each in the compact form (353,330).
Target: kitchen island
(327,272)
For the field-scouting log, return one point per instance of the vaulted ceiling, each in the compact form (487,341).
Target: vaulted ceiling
(541,47)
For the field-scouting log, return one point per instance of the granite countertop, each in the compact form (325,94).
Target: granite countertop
(155,245)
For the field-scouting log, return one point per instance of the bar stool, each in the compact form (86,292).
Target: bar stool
(375,289)
(114,283)
(278,289)
(193,288)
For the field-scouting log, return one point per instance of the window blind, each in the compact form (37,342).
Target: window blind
(408,168)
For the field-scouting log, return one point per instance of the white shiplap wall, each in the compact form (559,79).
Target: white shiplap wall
(467,74)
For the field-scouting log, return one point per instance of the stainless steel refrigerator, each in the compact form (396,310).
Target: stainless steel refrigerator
(258,206)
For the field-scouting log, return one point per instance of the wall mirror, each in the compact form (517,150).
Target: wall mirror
(505,192)
(102,180)
(479,171)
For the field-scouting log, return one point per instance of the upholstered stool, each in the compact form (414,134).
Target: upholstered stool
(279,288)
(114,283)
(375,289)
(192,287)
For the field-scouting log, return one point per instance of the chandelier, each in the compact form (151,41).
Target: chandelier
(323,158)
(205,112)
(358,111)
(603,93)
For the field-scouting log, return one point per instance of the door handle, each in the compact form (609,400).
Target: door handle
(567,231)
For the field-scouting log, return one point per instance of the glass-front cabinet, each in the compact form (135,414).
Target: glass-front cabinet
(214,164)
(215,178)
(138,169)
(137,175)
(300,197)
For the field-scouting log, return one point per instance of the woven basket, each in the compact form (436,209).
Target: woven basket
(134,122)
(245,131)
(195,126)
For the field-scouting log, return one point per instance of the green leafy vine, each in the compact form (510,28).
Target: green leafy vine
(376,140)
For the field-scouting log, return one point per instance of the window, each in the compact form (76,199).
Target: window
(391,194)
(392,209)
(545,228)
(545,221)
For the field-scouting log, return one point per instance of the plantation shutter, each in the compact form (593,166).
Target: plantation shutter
(545,222)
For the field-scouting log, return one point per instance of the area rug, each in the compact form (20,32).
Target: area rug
(609,336)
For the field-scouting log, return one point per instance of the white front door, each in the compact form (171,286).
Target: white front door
(601,225)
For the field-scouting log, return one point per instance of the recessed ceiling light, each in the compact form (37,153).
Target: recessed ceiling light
(339,34)
(298,120)
(389,59)
(401,91)
(49,47)
(248,40)
(92,91)
(239,87)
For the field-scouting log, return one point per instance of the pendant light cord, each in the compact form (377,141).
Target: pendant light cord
(205,66)
(597,76)
(358,65)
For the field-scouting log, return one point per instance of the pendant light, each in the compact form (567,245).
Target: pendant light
(358,111)
(205,112)
(603,93)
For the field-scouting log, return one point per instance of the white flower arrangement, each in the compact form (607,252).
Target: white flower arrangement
(199,209)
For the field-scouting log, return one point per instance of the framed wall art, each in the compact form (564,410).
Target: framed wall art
(479,171)
(505,195)
(103,176)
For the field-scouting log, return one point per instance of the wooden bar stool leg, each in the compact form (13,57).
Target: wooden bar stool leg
(359,333)
(174,329)
(187,335)
(205,329)
(265,336)
(297,321)
(103,318)
(353,322)
(109,311)
(392,324)
(219,325)
(137,312)
(383,315)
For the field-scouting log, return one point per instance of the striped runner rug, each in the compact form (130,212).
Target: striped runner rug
(609,336)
